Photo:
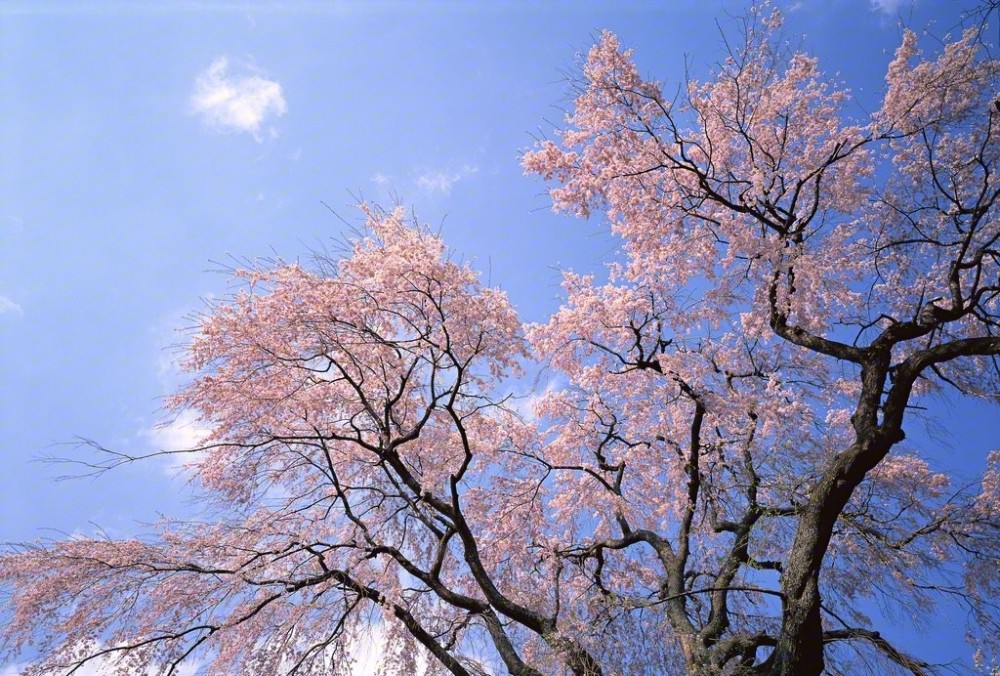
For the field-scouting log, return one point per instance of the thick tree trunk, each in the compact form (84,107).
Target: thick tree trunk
(799,651)
(800,646)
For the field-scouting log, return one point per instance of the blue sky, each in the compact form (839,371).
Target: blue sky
(147,145)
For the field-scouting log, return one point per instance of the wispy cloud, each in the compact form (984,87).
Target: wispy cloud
(7,305)
(178,438)
(525,403)
(183,433)
(889,7)
(440,182)
(240,101)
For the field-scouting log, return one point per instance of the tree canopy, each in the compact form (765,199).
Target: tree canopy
(713,479)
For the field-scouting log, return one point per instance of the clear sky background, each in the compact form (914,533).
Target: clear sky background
(144,146)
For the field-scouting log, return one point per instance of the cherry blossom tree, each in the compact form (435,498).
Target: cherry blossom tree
(716,479)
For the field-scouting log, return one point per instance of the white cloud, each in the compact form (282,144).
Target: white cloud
(236,101)
(7,305)
(526,399)
(180,434)
(438,182)
(380,179)
(367,651)
(524,405)
(888,7)
(366,654)
(178,437)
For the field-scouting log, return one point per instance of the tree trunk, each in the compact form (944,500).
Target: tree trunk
(799,651)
